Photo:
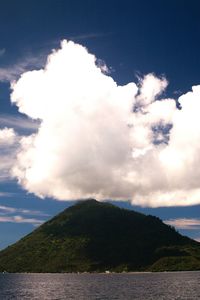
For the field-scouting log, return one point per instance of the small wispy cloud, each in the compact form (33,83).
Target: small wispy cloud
(20,215)
(2,52)
(20,219)
(184,223)
(9,142)
(8,209)
(18,122)
(12,72)
(5,194)
(86,36)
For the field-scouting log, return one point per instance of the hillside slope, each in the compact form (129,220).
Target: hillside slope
(96,236)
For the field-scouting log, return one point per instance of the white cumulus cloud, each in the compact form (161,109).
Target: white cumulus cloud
(99,139)
(7,136)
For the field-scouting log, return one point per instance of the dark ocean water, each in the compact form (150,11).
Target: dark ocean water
(179,285)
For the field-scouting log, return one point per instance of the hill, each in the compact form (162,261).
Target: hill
(94,236)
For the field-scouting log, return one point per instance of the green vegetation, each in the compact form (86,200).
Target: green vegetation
(94,237)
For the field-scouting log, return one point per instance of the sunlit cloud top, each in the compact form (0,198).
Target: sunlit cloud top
(98,139)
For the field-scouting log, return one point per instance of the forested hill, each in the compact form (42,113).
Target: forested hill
(94,236)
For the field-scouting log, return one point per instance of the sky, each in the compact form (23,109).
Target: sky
(99,99)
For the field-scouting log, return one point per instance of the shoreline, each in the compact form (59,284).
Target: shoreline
(97,273)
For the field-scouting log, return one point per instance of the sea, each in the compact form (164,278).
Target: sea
(142,286)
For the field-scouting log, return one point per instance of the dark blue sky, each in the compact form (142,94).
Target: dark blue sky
(132,37)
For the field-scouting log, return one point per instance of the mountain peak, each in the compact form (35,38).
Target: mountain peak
(88,201)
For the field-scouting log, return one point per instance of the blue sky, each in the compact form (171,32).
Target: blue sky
(133,38)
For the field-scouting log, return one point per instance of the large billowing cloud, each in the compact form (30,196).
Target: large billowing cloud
(99,139)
